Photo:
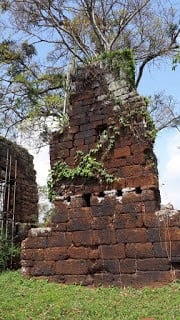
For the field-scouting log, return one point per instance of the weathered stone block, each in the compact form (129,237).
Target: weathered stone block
(43,268)
(34,243)
(131,235)
(60,239)
(70,267)
(139,250)
(153,264)
(125,221)
(78,252)
(121,152)
(128,266)
(57,253)
(115,251)
(79,224)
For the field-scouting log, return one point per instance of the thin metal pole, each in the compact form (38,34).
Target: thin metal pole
(13,209)
(8,194)
(14,201)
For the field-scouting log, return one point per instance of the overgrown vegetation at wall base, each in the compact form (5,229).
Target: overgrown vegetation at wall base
(39,300)
(8,252)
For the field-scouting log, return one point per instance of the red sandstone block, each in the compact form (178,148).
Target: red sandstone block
(82,238)
(66,137)
(53,254)
(150,220)
(61,227)
(75,121)
(115,163)
(93,237)
(28,254)
(83,96)
(138,235)
(103,278)
(101,222)
(79,224)
(121,152)
(39,232)
(84,148)
(84,212)
(74,129)
(150,277)
(103,209)
(153,264)
(173,233)
(85,127)
(77,202)
(73,153)
(175,248)
(61,239)
(78,142)
(133,170)
(65,145)
(128,221)
(131,197)
(148,195)
(26,263)
(139,250)
(98,117)
(112,251)
(174,221)
(162,249)
(136,159)
(34,243)
(71,266)
(56,278)
(94,254)
(90,141)
(139,148)
(61,154)
(111,266)
(78,252)
(84,280)
(164,234)
(143,181)
(60,217)
(151,206)
(43,268)
(128,266)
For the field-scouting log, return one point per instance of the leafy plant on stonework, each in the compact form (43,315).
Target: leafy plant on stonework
(88,167)
(122,64)
(8,251)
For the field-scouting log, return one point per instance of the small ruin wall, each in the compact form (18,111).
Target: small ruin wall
(19,194)
(106,233)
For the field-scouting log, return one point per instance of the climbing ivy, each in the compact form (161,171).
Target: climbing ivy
(121,62)
(87,167)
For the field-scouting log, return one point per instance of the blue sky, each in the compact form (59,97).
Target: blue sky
(167,145)
(167,142)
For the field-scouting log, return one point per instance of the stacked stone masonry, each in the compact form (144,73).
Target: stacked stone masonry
(110,234)
(25,195)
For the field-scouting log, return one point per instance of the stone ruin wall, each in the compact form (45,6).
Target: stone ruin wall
(26,193)
(106,234)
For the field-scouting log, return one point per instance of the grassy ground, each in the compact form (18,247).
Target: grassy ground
(22,299)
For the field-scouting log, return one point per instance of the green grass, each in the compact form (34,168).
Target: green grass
(22,299)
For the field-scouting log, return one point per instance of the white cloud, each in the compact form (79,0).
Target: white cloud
(41,164)
(169,168)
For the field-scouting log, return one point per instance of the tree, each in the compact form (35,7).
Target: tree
(77,32)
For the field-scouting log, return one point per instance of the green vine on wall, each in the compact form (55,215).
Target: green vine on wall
(88,167)
(121,63)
